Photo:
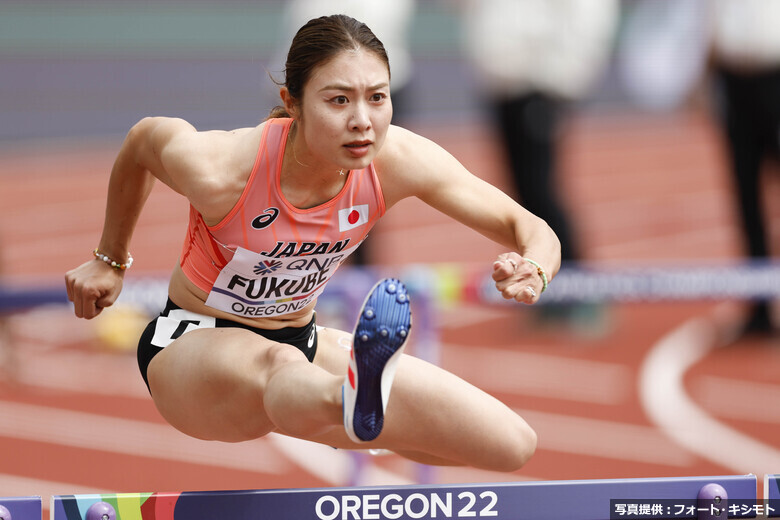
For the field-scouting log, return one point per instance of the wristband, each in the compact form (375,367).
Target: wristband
(114,263)
(540,271)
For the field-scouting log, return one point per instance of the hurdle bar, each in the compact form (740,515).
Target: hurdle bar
(14,299)
(772,495)
(576,282)
(588,282)
(683,497)
(21,508)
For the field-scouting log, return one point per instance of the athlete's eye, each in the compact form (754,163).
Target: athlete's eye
(379,96)
(340,100)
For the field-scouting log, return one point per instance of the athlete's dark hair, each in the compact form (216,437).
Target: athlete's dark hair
(319,41)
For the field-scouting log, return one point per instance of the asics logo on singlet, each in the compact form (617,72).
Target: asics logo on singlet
(266,219)
(267,266)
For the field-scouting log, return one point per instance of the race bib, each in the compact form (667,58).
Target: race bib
(256,285)
(177,322)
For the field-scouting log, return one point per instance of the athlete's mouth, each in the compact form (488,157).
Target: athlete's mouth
(357,144)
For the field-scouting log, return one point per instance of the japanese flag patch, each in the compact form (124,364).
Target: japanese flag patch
(350,218)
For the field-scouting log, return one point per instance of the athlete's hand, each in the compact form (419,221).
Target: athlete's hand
(517,279)
(93,286)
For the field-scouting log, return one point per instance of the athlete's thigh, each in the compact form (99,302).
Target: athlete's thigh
(435,416)
(209,382)
(333,346)
(413,380)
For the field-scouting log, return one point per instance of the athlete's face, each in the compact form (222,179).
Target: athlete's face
(346,110)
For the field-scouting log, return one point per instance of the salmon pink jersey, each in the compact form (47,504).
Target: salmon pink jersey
(267,257)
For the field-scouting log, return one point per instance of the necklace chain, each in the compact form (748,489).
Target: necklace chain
(295,156)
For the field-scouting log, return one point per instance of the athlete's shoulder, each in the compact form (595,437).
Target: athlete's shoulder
(224,140)
(178,137)
(209,167)
(400,136)
(406,150)
(402,149)
(407,163)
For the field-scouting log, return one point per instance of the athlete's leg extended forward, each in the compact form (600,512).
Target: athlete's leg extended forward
(431,415)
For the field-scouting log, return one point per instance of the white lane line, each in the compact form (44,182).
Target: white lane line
(16,486)
(492,369)
(541,375)
(741,400)
(663,396)
(607,439)
(336,467)
(138,438)
(86,372)
(558,433)
(345,468)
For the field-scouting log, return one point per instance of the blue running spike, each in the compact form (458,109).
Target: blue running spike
(380,335)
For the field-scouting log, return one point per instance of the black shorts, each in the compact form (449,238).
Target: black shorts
(174,321)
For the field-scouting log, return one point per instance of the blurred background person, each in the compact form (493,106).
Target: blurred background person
(672,50)
(662,52)
(745,56)
(535,59)
(391,22)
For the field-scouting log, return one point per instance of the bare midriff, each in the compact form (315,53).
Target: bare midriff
(188,296)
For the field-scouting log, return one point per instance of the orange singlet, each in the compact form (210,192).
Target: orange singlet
(267,257)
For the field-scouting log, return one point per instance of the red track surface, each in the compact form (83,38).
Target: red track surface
(75,418)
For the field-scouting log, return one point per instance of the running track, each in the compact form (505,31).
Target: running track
(638,392)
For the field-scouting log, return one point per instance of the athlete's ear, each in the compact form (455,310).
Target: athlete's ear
(290,103)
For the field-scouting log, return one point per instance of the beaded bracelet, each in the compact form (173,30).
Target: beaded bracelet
(113,263)
(539,270)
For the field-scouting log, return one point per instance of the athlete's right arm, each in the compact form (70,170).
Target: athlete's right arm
(155,148)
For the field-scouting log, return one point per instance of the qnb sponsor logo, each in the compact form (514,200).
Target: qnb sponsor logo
(267,266)
(393,506)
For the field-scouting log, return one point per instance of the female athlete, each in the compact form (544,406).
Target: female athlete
(275,209)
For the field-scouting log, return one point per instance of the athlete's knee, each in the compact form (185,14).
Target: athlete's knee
(527,446)
(277,356)
(249,391)
(523,447)
(287,392)
(515,449)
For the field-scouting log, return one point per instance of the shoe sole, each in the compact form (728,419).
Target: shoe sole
(381,331)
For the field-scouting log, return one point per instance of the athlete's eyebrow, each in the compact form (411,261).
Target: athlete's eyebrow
(348,88)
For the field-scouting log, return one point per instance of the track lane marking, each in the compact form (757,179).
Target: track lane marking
(138,438)
(542,375)
(737,399)
(667,404)
(605,439)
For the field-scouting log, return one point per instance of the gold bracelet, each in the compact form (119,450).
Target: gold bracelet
(539,270)
(114,263)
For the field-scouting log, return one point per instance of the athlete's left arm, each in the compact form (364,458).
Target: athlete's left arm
(411,165)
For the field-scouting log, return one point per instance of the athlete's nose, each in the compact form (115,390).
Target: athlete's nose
(360,119)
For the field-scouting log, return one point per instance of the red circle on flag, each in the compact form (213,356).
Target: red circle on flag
(353,216)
